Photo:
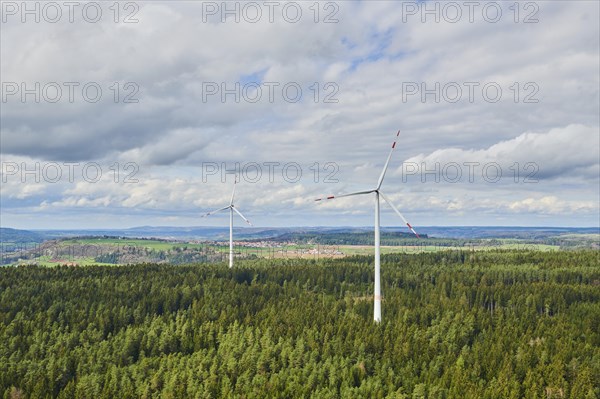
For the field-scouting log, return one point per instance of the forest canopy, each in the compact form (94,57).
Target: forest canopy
(493,324)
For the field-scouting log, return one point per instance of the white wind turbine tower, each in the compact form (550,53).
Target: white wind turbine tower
(232,209)
(378,193)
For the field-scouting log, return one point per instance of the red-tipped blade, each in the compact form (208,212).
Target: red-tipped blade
(386,199)
(330,197)
(387,162)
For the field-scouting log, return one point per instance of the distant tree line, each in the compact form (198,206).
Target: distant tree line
(362,238)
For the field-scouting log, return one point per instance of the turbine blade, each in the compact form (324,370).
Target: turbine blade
(213,212)
(345,195)
(398,212)
(387,162)
(242,216)
(233,193)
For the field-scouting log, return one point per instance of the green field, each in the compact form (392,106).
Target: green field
(158,245)
(80,261)
(81,251)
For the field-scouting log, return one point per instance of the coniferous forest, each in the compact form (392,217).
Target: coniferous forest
(495,324)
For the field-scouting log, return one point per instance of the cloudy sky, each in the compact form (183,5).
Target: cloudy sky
(137,114)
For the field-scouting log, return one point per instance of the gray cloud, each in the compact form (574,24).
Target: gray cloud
(370,54)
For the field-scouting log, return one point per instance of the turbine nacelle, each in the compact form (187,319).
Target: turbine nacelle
(377,190)
(230,206)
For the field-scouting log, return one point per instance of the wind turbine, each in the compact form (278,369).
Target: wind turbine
(378,193)
(232,209)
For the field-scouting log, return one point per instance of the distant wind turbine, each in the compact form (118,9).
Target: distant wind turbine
(232,209)
(378,193)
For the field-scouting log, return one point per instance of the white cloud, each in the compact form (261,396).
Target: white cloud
(369,54)
(572,152)
(552,205)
